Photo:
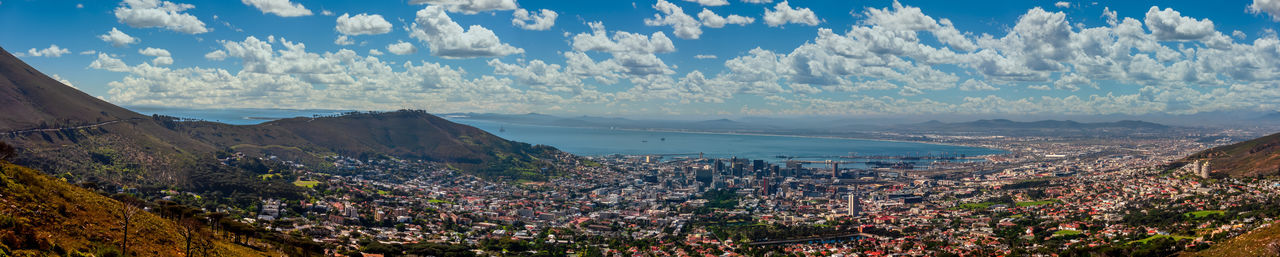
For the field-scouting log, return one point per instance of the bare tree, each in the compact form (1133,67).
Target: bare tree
(190,228)
(128,211)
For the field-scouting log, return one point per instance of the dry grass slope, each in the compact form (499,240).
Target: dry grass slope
(1259,242)
(43,216)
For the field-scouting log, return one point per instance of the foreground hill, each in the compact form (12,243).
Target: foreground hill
(43,216)
(1259,242)
(1257,157)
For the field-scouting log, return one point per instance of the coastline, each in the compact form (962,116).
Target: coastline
(747,134)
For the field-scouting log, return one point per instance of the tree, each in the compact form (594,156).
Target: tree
(128,211)
(190,228)
(6,151)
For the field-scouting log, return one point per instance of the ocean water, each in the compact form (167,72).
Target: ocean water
(606,141)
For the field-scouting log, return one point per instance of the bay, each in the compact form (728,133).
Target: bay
(590,141)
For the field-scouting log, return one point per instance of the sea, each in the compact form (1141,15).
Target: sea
(666,145)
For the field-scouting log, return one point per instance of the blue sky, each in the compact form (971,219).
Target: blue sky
(677,57)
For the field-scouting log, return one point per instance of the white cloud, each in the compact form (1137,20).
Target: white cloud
(79,6)
(216,55)
(88,52)
(118,38)
(1039,87)
(401,48)
(1061,4)
(709,2)
(757,1)
(326,12)
(282,8)
(447,39)
(713,20)
(1270,7)
(471,6)
(159,14)
(909,18)
(362,24)
(1168,24)
(976,85)
(632,52)
(52,51)
(344,40)
(543,20)
(63,81)
(684,26)
(291,77)
(375,52)
(106,62)
(705,56)
(783,14)
(162,56)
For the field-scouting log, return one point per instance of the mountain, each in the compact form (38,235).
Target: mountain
(403,134)
(62,130)
(30,99)
(1257,157)
(44,216)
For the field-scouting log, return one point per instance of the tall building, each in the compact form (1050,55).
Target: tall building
(855,204)
(1204,170)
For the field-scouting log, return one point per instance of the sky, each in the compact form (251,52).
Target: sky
(663,57)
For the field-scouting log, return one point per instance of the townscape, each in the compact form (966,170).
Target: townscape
(1038,198)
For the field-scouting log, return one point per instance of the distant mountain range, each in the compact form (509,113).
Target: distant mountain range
(62,130)
(607,122)
(1043,124)
(808,126)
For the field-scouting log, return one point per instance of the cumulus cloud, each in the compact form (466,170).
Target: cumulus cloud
(217,55)
(713,20)
(375,52)
(1168,24)
(401,48)
(447,39)
(908,18)
(63,81)
(543,20)
(783,14)
(1061,4)
(118,38)
(705,56)
(159,14)
(634,53)
(362,24)
(52,51)
(1270,7)
(344,40)
(976,85)
(709,2)
(685,26)
(162,56)
(280,73)
(282,8)
(471,6)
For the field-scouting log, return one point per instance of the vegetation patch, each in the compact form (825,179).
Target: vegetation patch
(1205,213)
(1035,203)
(306,183)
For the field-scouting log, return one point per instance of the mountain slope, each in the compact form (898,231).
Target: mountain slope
(62,130)
(1257,157)
(47,216)
(29,99)
(404,134)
